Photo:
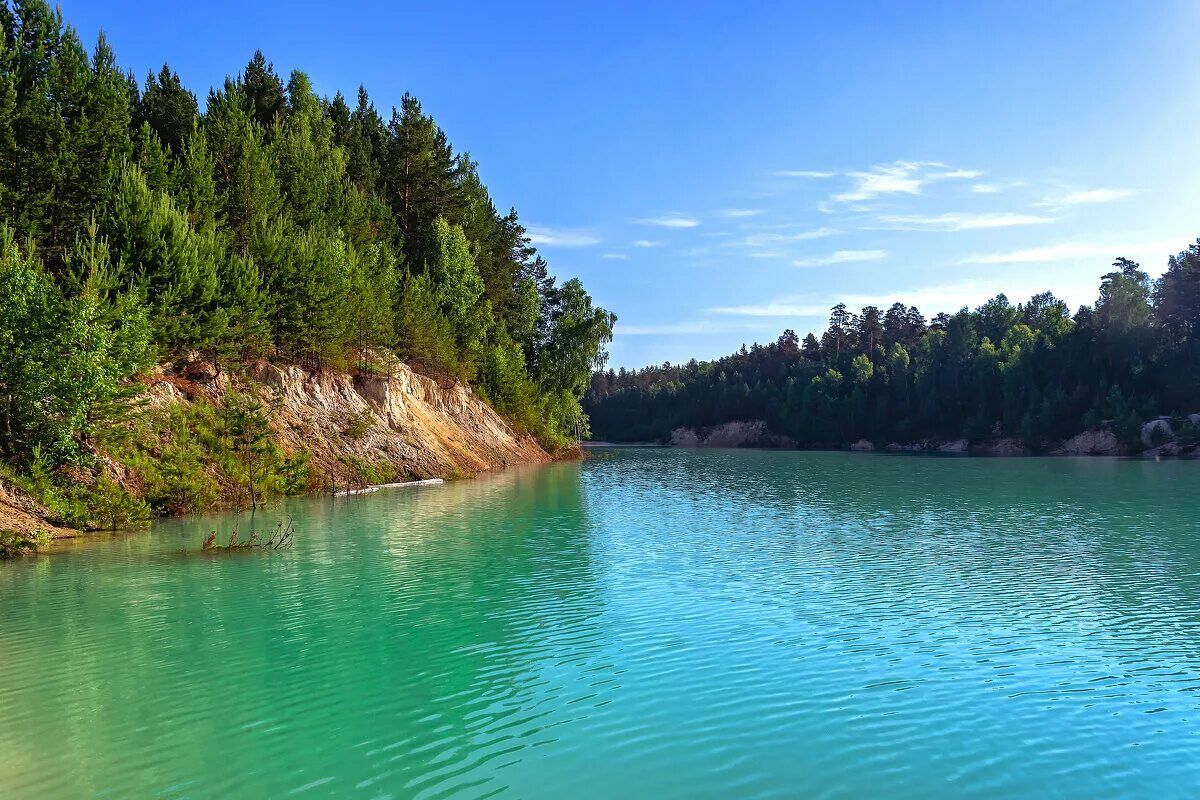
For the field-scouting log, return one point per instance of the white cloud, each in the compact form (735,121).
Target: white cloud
(802,173)
(765,254)
(764,238)
(958,221)
(561,237)
(996,188)
(931,300)
(740,213)
(689,328)
(670,221)
(645,243)
(955,173)
(614,256)
(1082,196)
(842,257)
(899,177)
(1064,251)
(794,306)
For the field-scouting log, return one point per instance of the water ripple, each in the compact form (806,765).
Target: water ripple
(659,623)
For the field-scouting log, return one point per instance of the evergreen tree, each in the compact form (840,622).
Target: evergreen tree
(263,92)
(174,268)
(169,109)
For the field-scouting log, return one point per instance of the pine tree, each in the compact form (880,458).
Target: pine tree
(310,166)
(29,306)
(309,276)
(246,183)
(152,159)
(169,109)
(172,266)
(420,179)
(263,92)
(249,434)
(196,184)
(103,339)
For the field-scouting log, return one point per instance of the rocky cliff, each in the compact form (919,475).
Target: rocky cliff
(401,424)
(418,426)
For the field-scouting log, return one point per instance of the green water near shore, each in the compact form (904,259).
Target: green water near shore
(653,623)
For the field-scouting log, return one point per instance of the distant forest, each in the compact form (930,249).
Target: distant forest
(138,225)
(1031,370)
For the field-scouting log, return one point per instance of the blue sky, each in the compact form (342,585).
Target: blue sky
(716,173)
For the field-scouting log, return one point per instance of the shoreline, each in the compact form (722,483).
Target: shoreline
(984,451)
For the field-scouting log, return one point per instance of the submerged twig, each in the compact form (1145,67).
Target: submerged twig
(281,539)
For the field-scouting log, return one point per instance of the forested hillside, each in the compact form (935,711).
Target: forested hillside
(1032,370)
(141,224)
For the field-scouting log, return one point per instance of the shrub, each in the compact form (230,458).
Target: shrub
(16,545)
(110,506)
(359,425)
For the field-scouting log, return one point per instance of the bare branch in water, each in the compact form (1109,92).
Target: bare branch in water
(281,539)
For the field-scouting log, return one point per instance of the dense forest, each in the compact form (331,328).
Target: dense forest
(139,225)
(1031,370)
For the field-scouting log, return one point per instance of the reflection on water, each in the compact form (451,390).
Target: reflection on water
(659,623)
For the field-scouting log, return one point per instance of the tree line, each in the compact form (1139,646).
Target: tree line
(1031,370)
(138,227)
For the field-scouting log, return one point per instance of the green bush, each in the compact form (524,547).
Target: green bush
(16,545)
(359,425)
(110,506)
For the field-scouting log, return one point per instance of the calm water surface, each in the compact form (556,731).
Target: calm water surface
(657,623)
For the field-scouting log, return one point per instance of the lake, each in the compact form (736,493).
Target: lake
(649,623)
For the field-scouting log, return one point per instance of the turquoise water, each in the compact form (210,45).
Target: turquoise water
(655,623)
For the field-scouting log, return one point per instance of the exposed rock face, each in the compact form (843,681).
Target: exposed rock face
(1002,447)
(863,445)
(907,447)
(1159,429)
(411,420)
(743,433)
(685,437)
(422,428)
(953,446)
(20,514)
(1091,443)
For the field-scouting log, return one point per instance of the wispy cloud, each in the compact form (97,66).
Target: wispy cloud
(842,257)
(996,188)
(690,328)
(645,243)
(955,173)
(739,213)
(899,177)
(1067,251)
(802,173)
(1082,196)
(792,306)
(931,299)
(614,256)
(561,237)
(670,221)
(958,221)
(773,237)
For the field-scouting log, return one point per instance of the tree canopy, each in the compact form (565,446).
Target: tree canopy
(269,222)
(1031,370)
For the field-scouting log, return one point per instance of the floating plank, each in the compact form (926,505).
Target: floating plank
(370,489)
